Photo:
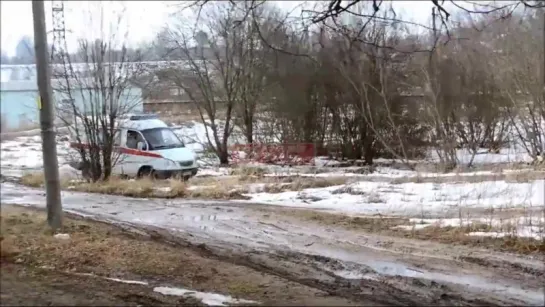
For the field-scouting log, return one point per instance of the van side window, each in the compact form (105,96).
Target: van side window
(132,139)
(117,138)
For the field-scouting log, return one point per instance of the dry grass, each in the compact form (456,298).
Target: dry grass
(459,235)
(105,250)
(370,224)
(297,183)
(144,187)
(243,289)
(218,192)
(448,235)
(27,240)
(33,179)
(115,186)
(271,184)
(227,187)
(248,171)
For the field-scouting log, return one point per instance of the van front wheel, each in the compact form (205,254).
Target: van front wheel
(146,171)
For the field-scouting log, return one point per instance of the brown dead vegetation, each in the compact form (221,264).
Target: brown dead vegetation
(144,187)
(448,234)
(226,187)
(108,251)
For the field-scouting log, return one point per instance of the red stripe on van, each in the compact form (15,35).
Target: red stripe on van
(127,151)
(136,152)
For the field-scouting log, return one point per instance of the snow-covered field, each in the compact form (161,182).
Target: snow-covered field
(412,199)
(460,200)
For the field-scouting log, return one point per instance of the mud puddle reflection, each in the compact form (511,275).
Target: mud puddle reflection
(357,266)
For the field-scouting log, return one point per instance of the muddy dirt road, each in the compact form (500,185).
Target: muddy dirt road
(99,264)
(353,265)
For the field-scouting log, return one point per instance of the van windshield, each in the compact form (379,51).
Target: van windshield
(162,138)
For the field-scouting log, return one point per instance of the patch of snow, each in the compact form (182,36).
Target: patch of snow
(412,227)
(125,281)
(457,222)
(62,236)
(218,171)
(383,172)
(524,226)
(68,172)
(507,155)
(132,282)
(25,153)
(411,199)
(380,172)
(210,299)
(194,134)
(534,232)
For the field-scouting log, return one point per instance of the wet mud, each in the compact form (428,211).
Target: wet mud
(341,262)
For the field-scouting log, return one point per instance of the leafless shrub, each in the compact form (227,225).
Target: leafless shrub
(95,87)
(356,88)
(519,65)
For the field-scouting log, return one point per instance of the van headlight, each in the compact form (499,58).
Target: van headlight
(172,163)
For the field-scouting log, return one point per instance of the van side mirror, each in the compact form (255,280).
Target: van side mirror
(141,146)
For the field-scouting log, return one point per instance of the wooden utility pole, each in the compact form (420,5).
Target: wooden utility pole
(47,119)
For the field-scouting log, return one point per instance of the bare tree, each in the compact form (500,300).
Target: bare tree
(482,121)
(326,11)
(213,74)
(94,89)
(351,78)
(377,77)
(440,103)
(254,62)
(519,66)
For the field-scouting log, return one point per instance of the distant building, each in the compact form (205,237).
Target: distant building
(18,105)
(19,101)
(19,90)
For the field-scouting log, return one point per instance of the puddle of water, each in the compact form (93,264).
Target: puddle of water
(210,299)
(355,275)
(204,217)
(531,296)
(206,228)
(394,269)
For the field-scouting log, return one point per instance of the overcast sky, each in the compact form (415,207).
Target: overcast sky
(143,19)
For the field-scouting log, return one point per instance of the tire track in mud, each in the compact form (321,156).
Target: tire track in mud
(299,271)
(502,264)
(310,270)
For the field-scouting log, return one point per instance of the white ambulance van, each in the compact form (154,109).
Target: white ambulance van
(145,146)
